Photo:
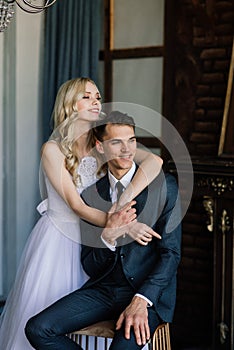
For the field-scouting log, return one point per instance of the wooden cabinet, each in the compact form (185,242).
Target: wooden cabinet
(215,181)
(214,195)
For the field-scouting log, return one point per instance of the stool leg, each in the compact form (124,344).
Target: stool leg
(95,343)
(161,338)
(168,340)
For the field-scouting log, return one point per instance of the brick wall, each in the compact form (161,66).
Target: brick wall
(203,38)
(204,35)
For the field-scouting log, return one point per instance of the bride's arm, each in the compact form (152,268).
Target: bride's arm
(150,166)
(53,162)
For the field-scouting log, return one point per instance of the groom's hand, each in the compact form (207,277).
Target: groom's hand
(136,316)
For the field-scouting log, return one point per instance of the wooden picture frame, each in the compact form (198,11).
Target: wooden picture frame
(226,143)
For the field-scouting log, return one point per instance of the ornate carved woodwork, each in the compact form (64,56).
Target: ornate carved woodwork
(214,189)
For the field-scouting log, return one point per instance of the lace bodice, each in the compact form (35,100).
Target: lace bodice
(58,210)
(87,171)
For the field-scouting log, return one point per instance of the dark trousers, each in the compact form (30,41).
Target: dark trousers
(80,309)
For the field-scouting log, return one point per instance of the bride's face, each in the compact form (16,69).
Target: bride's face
(89,106)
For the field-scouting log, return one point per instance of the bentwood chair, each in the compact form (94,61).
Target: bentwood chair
(159,341)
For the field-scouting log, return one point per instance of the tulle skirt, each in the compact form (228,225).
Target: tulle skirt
(49,269)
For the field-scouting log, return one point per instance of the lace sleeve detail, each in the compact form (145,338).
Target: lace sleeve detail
(87,171)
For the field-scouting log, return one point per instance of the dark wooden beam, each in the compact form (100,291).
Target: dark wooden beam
(136,52)
(149,142)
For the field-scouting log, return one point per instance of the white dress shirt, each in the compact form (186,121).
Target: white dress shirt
(125,180)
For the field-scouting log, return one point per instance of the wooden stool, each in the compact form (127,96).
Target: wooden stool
(161,338)
(106,329)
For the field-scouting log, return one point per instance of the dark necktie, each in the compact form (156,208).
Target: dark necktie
(119,188)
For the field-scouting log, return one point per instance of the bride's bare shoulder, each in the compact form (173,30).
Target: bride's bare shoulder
(50,148)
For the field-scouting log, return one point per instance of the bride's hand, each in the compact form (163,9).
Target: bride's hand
(141,233)
(121,217)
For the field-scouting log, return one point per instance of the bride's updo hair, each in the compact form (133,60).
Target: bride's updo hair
(64,116)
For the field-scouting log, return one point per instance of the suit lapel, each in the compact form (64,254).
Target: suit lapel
(103,188)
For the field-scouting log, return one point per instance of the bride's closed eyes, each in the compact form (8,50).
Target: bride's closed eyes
(90,97)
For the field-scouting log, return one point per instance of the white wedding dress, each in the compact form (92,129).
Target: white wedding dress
(50,264)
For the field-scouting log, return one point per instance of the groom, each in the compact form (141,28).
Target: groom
(132,283)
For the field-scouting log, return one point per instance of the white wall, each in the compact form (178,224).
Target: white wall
(139,80)
(138,23)
(20,59)
(28,126)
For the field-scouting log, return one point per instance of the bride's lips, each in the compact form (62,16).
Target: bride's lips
(94,110)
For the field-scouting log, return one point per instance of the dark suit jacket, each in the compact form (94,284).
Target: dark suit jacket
(151,269)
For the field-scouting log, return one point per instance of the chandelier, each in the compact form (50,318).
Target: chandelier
(7,9)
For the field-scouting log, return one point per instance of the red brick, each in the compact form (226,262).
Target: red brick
(206,41)
(206,126)
(226,28)
(207,149)
(219,90)
(207,66)
(213,53)
(199,113)
(214,114)
(209,102)
(203,90)
(221,65)
(227,17)
(224,6)
(203,138)
(198,32)
(224,40)
(213,78)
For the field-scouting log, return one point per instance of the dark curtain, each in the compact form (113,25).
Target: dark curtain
(72,35)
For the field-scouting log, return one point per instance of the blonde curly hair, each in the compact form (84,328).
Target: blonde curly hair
(67,97)
(64,115)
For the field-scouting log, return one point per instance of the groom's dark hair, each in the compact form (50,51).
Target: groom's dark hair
(114,117)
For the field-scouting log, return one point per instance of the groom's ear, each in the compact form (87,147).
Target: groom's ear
(99,147)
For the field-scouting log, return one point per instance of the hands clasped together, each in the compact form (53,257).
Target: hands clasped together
(124,221)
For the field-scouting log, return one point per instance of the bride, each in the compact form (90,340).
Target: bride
(50,264)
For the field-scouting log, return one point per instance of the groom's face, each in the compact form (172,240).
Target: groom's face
(119,148)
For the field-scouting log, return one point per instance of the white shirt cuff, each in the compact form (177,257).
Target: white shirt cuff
(110,246)
(146,299)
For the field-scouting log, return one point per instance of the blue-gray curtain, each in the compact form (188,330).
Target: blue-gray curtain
(72,35)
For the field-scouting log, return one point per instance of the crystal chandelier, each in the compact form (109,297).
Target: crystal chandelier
(29,6)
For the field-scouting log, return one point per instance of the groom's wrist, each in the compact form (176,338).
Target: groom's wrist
(109,243)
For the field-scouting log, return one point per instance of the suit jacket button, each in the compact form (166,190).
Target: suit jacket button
(122,256)
(131,278)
